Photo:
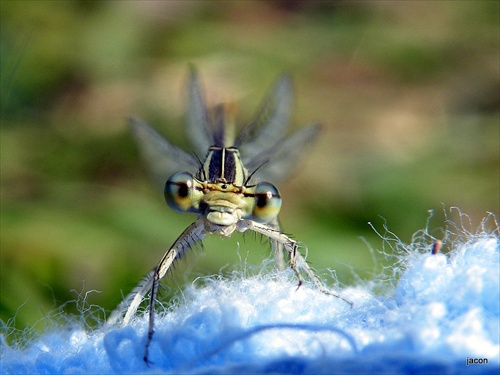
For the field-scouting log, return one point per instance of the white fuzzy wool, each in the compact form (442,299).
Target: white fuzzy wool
(443,313)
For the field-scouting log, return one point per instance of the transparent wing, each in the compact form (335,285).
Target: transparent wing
(162,157)
(269,125)
(277,162)
(199,126)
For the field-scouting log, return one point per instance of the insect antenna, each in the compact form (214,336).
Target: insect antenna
(254,171)
(201,171)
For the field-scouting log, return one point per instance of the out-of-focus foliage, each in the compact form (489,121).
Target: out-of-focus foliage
(407,91)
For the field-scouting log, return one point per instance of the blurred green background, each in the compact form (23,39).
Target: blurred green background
(407,92)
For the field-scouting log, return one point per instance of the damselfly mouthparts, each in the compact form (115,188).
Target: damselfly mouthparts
(227,190)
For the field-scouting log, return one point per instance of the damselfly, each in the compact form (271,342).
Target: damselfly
(227,190)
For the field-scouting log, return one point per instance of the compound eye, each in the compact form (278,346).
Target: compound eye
(179,191)
(267,202)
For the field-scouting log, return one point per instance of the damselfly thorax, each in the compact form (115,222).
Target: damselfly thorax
(227,190)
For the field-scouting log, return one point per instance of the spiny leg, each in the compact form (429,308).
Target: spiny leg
(194,233)
(295,258)
(299,261)
(151,323)
(277,246)
(131,302)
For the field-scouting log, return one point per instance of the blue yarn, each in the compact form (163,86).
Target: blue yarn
(443,312)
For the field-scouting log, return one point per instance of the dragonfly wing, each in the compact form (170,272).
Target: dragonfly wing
(269,125)
(278,161)
(199,126)
(162,157)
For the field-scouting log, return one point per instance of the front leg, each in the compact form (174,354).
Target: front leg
(295,258)
(194,233)
(277,246)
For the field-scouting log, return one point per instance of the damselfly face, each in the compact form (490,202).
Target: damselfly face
(221,202)
(227,190)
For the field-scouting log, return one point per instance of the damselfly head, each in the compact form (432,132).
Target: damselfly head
(220,202)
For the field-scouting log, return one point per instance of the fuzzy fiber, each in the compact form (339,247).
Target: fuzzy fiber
(425,314)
